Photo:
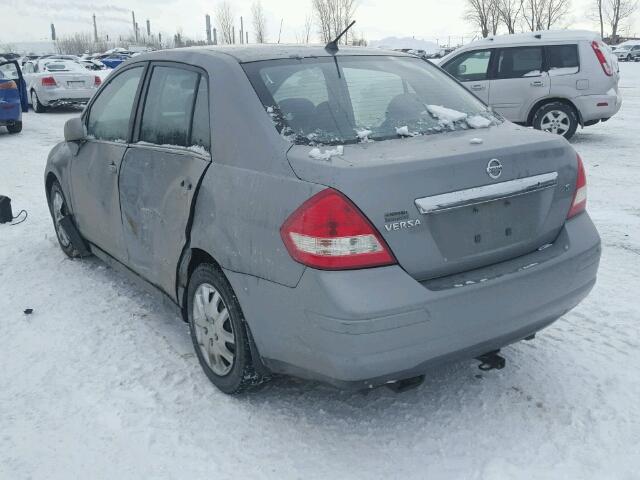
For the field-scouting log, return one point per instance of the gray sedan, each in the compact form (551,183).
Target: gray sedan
(351,216)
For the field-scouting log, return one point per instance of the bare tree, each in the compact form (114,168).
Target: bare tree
(76,44)
(617,13)
(479,13)
(532,14)
(510,11)
(259,21)
(494,17)
(308,25)
(555,12)
(332,17)
(544,14)
(598,15)
(224,21)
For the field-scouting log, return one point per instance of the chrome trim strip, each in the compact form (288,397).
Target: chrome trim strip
(486,193)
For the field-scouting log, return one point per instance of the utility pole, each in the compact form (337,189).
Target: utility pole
(135,25)
(95,29)
(247,35)
(233,35)
(215,36)
(148,28)
(53,32)
(241,30)
(207,19)
(280,32)
(159,39)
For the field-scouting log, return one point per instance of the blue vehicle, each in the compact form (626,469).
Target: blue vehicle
(112,61)
(13,96)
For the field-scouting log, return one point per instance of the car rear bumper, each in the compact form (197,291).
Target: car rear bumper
(362,328)
(10,112)
(597,107)
(64,96)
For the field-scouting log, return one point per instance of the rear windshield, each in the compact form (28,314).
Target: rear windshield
(63,66)
(352,99)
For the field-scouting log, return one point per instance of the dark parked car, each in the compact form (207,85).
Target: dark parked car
(354,216)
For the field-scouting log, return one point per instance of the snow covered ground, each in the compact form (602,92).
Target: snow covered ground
(100,382)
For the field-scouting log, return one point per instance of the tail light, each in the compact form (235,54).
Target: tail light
(329,232)
(10,85)
(97,81)
(49,82)
(601,58)
(579,203)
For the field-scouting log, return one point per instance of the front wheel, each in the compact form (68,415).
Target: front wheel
(218,331)
(15,128)
(58,209)
(629,58)
(556,117)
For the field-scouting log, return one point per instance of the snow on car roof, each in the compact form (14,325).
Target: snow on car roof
(547,35)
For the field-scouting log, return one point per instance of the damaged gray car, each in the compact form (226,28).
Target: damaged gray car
(353,216)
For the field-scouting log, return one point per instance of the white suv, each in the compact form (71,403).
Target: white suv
(551,80)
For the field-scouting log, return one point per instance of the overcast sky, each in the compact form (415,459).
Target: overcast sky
(28,20)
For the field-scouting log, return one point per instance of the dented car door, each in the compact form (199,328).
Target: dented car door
(161,171)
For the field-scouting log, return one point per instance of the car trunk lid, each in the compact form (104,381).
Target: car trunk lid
(435,203)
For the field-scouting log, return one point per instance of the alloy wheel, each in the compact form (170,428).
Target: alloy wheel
(555,121)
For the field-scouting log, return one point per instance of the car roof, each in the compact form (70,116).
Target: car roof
(527,38)
(535,37)
(259,52)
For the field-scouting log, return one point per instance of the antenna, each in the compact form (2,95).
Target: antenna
(332,46)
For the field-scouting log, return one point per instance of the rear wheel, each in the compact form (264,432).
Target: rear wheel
(218,331)
(629,58)
(35,103)
(558,118)
(15,128)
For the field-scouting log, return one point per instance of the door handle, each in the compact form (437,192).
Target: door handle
(477,86)
(113,167)
(537,83)
(186,185)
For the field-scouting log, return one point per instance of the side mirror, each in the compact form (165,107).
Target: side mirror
(74,130)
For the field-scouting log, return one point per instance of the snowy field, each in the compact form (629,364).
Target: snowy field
(100,382)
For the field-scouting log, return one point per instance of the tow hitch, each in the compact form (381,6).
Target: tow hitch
(406,384)
(491,361)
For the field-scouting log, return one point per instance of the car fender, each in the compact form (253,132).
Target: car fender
(237,218)
(57,167)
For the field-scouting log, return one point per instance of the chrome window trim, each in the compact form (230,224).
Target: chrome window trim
(486,193)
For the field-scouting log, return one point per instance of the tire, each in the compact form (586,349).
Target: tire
(556,117)
(629,58)
(218,331)
(15,128)
(35,103)
(58,210)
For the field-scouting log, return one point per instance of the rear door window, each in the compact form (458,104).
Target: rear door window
(519,62)
(201,131)
(111,111)
(562,59)
(168,107)
(470,66)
